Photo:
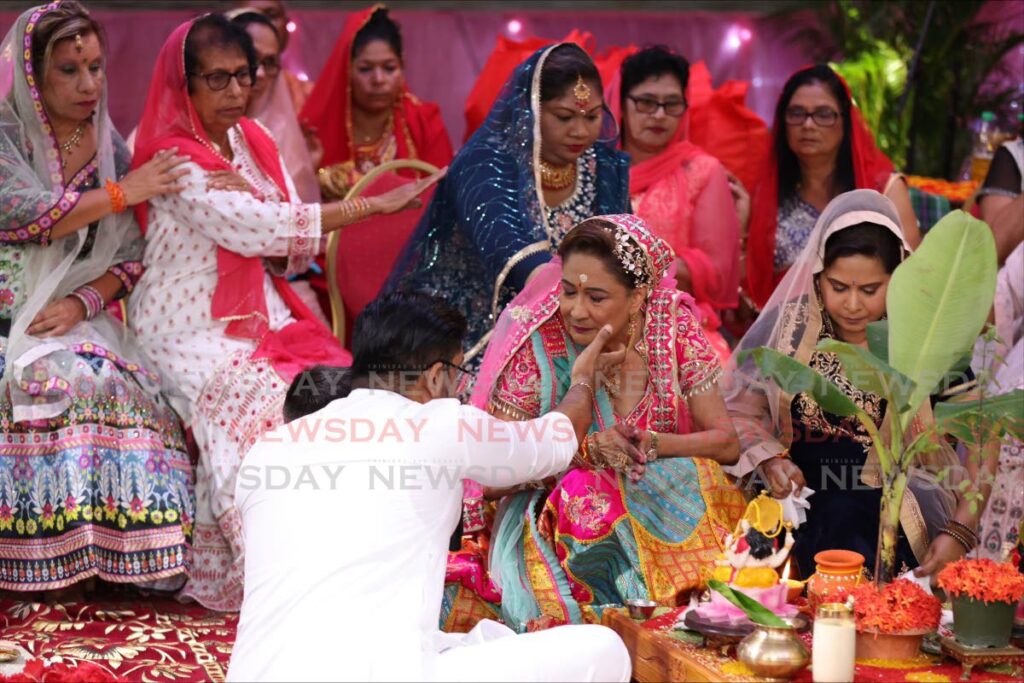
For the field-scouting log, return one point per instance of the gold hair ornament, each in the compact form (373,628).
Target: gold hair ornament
(581,92)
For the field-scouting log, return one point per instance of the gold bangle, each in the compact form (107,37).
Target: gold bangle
(654,440)
(593,395)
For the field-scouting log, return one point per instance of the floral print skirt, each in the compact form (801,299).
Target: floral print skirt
(104,489)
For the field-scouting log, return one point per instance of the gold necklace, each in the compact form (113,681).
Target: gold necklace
(73,141)
(552,178)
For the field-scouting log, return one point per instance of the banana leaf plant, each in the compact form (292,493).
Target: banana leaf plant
(937,304)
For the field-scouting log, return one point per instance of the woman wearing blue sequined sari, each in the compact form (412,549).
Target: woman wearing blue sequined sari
(543,161)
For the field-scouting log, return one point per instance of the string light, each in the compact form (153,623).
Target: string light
(514,26)
(290,27)
(736,37)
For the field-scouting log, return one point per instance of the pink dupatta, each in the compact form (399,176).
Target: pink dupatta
(170,120)
(683,194)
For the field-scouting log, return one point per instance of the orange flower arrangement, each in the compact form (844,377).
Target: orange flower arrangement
(958,192)
(983,580)
(899,607)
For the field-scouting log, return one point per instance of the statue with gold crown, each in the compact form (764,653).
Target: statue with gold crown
(753,553)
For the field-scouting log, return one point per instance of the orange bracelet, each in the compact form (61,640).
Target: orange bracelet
(117,199)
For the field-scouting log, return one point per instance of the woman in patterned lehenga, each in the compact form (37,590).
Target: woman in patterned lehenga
(94,478)
(598,537)
(543,161)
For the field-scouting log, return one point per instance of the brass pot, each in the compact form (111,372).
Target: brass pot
(776,653)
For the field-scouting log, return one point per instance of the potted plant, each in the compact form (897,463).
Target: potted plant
(937,304)
(984,594)
(892,619)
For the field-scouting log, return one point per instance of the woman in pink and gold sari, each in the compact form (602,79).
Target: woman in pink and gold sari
(683,193)
(600,536)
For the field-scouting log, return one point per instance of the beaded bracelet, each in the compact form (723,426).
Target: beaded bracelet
(91,299)
(118,202)
(958,537)
(966,530)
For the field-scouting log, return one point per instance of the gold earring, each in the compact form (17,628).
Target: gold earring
(631,330)
(826,321)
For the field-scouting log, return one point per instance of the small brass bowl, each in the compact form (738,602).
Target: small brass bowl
(640,609)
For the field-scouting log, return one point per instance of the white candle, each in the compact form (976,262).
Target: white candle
(833,651)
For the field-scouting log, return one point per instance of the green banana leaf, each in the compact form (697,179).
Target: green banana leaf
(868,373)
(755,611)
(794,377)
(994,415)
(938,301)
(878,339)
(878,344)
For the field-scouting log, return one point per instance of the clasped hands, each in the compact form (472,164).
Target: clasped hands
(620,448)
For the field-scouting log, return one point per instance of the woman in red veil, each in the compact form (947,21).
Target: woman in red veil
(681,191)
(821,148)
(213,309)
(362,110)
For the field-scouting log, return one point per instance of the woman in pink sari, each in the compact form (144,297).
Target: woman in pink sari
(684,194)
(598,536)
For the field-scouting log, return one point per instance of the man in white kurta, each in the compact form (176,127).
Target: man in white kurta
(347,514)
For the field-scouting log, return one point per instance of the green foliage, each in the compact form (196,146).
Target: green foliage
(755,611)
(877,79)
(957,56)
(938,301)
(795,378)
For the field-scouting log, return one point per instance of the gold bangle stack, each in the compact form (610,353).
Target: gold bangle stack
(961,533)
(354,210)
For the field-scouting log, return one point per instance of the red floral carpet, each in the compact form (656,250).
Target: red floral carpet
(127,638)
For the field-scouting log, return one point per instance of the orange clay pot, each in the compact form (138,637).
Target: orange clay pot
(837,573)
(889,646)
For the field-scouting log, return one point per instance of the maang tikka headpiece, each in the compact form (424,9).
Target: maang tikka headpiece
(78,42)
(581,92)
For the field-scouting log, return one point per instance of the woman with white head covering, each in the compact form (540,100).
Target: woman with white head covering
(94,478)
(834,290)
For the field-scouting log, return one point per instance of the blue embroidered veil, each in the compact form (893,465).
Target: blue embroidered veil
(486,228)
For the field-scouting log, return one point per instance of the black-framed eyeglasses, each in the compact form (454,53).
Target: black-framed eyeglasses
(271,65)
(218,80)
(825,117)
(448,363)
(649,105)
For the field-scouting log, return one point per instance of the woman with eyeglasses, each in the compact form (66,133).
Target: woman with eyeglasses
(684,194)
(271,104)
(821,148)
(213,308)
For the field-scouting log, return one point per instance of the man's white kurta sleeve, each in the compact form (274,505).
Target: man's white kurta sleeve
(503,453)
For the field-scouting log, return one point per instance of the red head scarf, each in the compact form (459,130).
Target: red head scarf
(419,129)
(871,170)
(170,120)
